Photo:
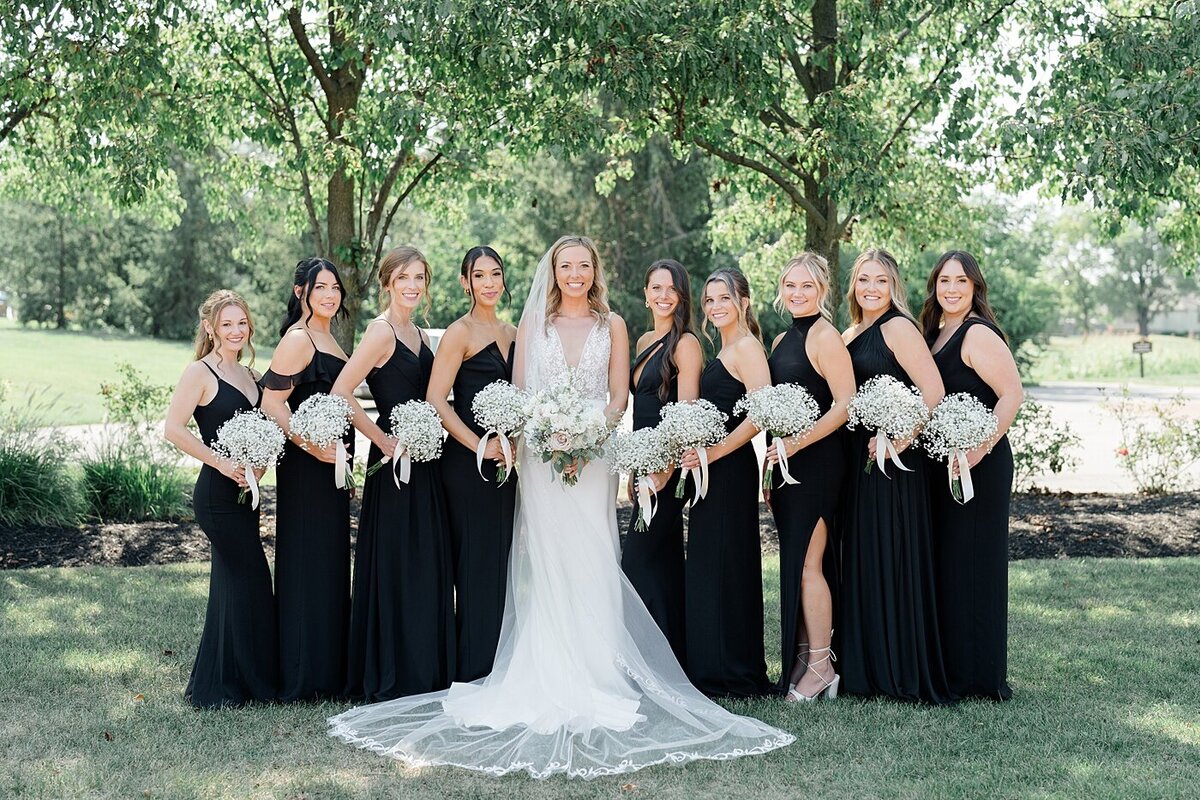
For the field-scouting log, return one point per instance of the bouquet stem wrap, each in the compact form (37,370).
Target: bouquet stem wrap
(252,485)
(699,475)
(339,466)
(962,488)
(401,466)
(647,500)
(783,466)
(884,449)
(505,448)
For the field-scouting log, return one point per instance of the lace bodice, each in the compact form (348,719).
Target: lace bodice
(591,374)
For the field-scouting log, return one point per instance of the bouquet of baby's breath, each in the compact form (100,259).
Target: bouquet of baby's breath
(564,427)
(323,420)
(639,453)
(959,423)
(502,410)
(694,424)
(891,409)
(252,440)
(786,409)
(418,431)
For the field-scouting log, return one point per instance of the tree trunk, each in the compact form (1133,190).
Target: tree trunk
(820,237)
(1143,315)
(344,252)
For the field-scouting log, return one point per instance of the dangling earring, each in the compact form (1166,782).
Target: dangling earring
(467,292)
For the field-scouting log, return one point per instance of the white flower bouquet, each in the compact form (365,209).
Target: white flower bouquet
(894,411)
(959,423)
(565,428)
(418,432)
(323,420)
(639,453)
(783,410)
(696,424)
(502,410)
(253,440)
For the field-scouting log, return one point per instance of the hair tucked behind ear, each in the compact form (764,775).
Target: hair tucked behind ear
(210,312)
(306,277)
(737,284)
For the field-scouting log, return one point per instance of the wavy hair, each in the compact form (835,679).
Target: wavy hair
(306,277)
(931,311)
(681,320)
(818,267)
(597,296)
(737,284)
(399,258)
(898,291)
(210,312)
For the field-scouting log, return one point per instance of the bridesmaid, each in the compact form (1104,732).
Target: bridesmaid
(402,616)
(667,369)
(889,638)
(476,350)
(312,535)
(810,353)
(724,599)
(971,540)
(236,659)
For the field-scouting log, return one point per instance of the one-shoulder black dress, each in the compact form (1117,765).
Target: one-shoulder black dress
(888,635)
(653,559)
(481,516)
(971,548)
(820,468)
(724,598)
(236,661)
(312,553)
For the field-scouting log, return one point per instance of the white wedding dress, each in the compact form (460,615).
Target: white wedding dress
(584,682)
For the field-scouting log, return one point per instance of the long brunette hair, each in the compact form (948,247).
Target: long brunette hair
(931,312)
(681,320)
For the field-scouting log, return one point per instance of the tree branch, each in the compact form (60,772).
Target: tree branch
(296,23)
(382,194)
(387,222)
(776,177)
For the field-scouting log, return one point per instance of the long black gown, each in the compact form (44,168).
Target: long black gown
(480,516)
(312,553)
(888,634)
(402,615)
(971,549)
(723,572)
(653,559)
(236,661)
(820,468)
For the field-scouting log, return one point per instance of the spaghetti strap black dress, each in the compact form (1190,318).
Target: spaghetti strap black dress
(236,662)
(480,515)
(971,548)
(723,572)
(312,553)
(888,633)
(402,615)
(820,469)
(653,559)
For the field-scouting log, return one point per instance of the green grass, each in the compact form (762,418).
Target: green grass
(73,364)
(1105,663)
(1175,361)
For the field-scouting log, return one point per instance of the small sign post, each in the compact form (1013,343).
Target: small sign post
(1141,347)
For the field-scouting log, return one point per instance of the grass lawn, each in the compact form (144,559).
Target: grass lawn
(1174,361)
(1105,663)
(73,364)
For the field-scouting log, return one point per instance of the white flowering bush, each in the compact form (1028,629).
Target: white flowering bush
(639,453)
(502,410)
(692,424)
(252,440)
(786,409)
(959,423)
(565,428)
(890,409)
(323,420)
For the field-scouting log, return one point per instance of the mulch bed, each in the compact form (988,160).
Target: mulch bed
(1043,526)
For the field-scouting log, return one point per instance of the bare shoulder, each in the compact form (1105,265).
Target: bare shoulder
(775,342)
(849,334)
(644,340)
(825,334)
(688,343)
(295,342)
(983,336)
(616,326)
(901,330)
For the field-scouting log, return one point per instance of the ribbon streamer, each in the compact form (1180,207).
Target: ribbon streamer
(964,476)
(700,475)
(647,499)
(505,448)
(884,449)
(781,449)
(339,466)
(252,485)
(401,457)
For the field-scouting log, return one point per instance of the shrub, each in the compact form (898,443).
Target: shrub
(1039,445)
(37,483)
(1159,441)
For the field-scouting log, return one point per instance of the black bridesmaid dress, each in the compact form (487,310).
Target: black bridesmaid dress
(312,553)
(236,662)
(820,468)
(971,548)
(723,572)
(402,615)
(481,516)
(887,637)
(653,559)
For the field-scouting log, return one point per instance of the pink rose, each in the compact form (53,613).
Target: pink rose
(560,441)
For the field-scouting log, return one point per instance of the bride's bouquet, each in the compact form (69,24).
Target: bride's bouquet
(323,419)
(418,431)
(502,410)
(696,424)
(639,453)
(565,428)
(783,410)
(253,440)
(891,409)
(959,423)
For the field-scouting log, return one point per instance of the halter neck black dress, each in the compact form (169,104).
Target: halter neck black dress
(312,552)
(481,516)
(653,559)
(971,548)
(723,573)
(236,661)
(820,468)
(888,633)
(402,615)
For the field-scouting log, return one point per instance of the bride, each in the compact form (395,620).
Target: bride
(584,683)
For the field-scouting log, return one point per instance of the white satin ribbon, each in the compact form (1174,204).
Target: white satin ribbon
(781,449)
(339,466)
(505,448)
(647,499)
(401,458)
(964,475)
(884,449)
(700,475)
(252,485)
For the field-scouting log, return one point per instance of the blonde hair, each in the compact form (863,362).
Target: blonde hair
(597,296)
(898,292)
(818,267)
(737,284)
(400,258)
(210,312)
